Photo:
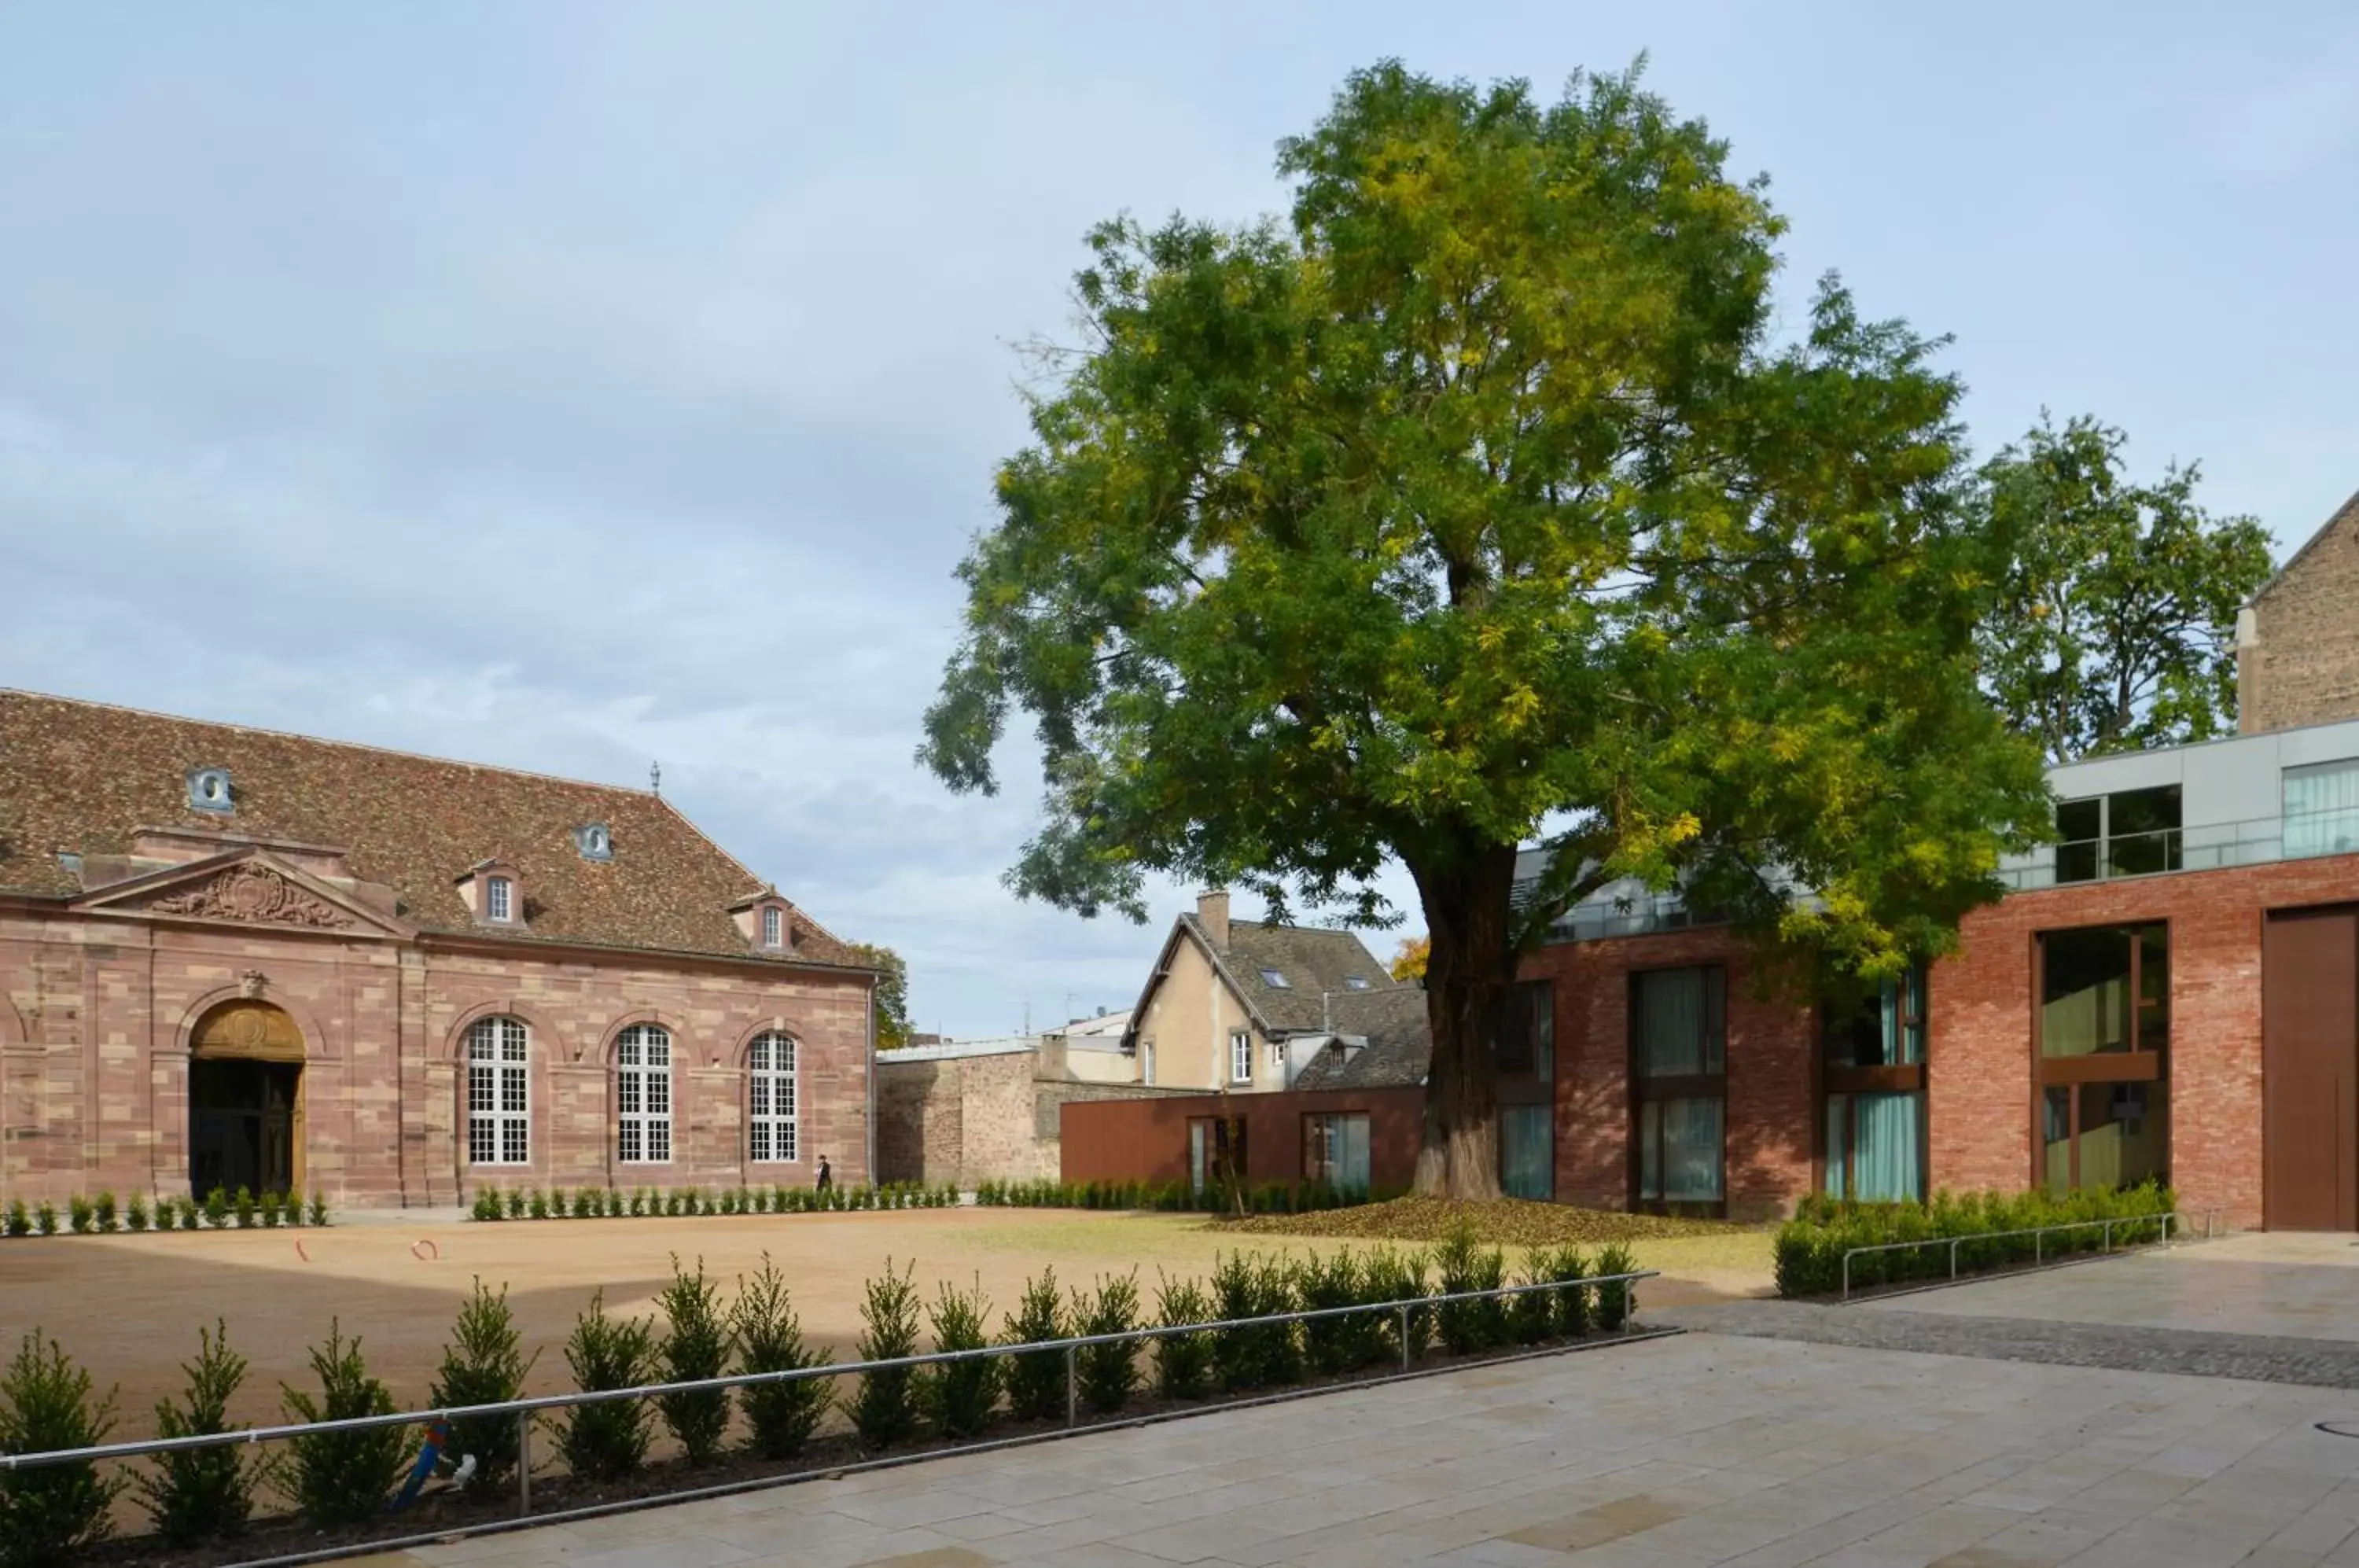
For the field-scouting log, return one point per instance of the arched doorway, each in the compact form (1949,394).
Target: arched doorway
(246,1100)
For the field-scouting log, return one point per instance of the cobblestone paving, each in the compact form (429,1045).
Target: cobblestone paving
(2255,1358)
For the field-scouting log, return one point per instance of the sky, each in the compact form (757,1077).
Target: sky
(571,386)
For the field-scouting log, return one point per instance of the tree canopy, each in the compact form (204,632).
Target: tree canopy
(2116,628)
(1479,504)
(1408,959)
(892,994)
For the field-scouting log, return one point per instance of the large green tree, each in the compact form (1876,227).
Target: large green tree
(892,994)
(2116,629)
(1478,504)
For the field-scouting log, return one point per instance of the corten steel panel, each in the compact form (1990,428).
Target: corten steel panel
(1125,1140)
(2310,1051)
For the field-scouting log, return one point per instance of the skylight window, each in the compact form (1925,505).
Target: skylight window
(1355,982)
(1275,979)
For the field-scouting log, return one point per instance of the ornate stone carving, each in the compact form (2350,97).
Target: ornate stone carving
(251,982)
(255,894)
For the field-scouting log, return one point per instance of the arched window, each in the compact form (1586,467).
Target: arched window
(499,1122)
(642,1096)
(771,1098)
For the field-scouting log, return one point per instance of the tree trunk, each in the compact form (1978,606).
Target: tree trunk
(1467,971)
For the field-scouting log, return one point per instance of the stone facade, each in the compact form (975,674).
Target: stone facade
(2298,642)
(130,916)
(965,1113)
(1978,1072)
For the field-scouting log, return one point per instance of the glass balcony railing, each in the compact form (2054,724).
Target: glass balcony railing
(2209,848)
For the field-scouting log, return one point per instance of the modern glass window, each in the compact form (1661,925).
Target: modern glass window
(499,1115)
(497,899)
(1216,1150)
(1528,1152)
(1874,1118)
(2102,1114)
(1146,1062)
(1523,1038)
(642,1096)
(1679,1086)
(1240,1056)
(2322,809)
(773,926)
(1275,979)
(2133,832)
(1355,982)
(771,1098)
(1335,1149)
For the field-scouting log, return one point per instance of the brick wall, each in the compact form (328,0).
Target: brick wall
(1979,1066)
(95,1039)
(2297,662)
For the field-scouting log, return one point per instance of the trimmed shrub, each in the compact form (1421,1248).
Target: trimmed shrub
(135,1213)
(488,1205)
(293,1212)
(962,1395)
(728,1202)
(196,1494)
(342,1477)
(46,1218)
(537,1205)
(885,1412)
(696,1345)
(1108,1374)
(80,1215)
(1614,1301)
(781,1416)
(1464,1265)
(50,1512)
(607,1440)
(1569,1307)
(1246,1286)
(1035,1382)
(20,1219)
(217,1208)
(671,1203)
(1183,1362)
(638,1202)
(1331,1344)
(560,1204)
(270,1210)
(483,1363)
(318,1214)
(613,1203)
(515,1202)
(190,1215)
(245,1208)
(1391,1274)
(1531,1316)
(103,1212)
(1811,1247)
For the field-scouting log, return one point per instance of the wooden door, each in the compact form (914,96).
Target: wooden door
(2310,1053)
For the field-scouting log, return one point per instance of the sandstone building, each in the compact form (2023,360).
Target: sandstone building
(239,957)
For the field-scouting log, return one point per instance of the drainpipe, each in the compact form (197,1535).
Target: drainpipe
(871,1081)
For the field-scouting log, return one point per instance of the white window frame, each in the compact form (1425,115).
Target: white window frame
(642,1096)
(773,1063)
(499,1092)
(1146,1062)
(1240,1056)
(1277,1062)
(499,899)
(773,926)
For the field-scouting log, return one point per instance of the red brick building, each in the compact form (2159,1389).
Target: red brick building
(234,956)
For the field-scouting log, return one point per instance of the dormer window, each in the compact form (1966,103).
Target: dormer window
(773,926)
(209,791)
(498,893)
(493,893)
(595,841)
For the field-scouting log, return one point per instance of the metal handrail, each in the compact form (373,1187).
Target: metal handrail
(2168,1221)
(524,1409)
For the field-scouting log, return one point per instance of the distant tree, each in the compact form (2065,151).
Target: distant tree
(1484,497)
(892,994)
(2117,627)
(1408,959)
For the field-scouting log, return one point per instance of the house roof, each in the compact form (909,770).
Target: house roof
(1317,965)
(1399,1043)
(84,779)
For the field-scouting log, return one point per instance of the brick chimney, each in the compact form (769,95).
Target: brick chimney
(1213,914)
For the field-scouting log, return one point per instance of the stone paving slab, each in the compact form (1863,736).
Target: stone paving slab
(1695,1450)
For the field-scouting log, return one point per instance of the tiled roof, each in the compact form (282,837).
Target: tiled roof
(83,779)
(1312,960)
(1399,1048)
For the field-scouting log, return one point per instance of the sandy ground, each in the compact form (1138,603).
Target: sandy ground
(128,1306)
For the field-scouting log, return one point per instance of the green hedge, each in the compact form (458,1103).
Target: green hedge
(1256,1198)
(649,1202)
(1811,1245)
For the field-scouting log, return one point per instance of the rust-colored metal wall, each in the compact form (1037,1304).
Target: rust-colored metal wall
(2310,1054)
(1126,1141)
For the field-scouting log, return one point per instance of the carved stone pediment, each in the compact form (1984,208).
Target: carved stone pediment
(255,894)
(251,887)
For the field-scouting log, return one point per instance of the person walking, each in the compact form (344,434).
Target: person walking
(826,1177)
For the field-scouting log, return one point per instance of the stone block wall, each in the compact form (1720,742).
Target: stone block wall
(2297,650)
(966,1119)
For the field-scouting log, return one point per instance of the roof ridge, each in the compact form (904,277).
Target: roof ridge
(352,746)
(2324,528)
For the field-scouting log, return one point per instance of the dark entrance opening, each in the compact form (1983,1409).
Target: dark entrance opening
(242,1125)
